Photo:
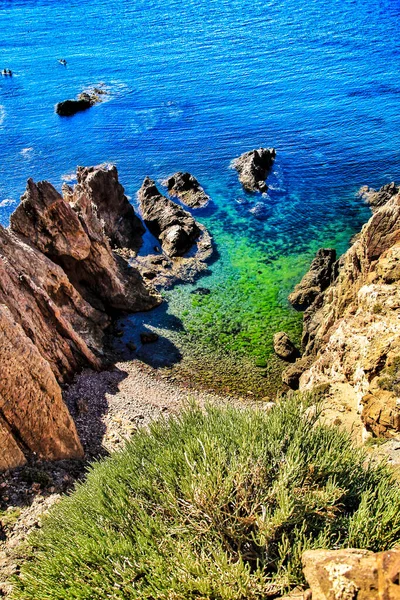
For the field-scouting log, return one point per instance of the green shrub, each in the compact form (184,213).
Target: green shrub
(213,505)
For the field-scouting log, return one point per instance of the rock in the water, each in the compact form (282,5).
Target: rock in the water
(186,187)
(121,225)
(149,337)
(284,347)
(85,100)
(379,198)
(316,280)
(33,416)
(172,225)
(253,168)
(351,574)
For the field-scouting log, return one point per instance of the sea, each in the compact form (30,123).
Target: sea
(191,85)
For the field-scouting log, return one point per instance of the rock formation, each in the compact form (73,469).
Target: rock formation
(316,280)
(85,100)
(187,189)
(351,573)
(120,223)
(172,225)
(59,284)
(253,168)
(284,347)
(376,199)
(352,329)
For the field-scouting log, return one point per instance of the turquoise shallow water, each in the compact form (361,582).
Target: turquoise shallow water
(192,85)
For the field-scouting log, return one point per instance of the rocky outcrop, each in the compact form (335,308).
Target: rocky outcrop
(187,189)
(284,347)
(60,283)
(85,100)
(121,225)
(375,198)
(316,280)
(253,168)
(352,330)
(33,415)
(352,573)
(69,231)
(172,225)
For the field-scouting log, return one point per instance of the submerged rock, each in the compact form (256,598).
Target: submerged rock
(316,280)
(284,347)
(172,225)
(254,167)
(187,189)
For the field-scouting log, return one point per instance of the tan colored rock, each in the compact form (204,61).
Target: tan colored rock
(381,413)
(351,574)
(11,455)
(31,405)
(186,187)
(253,168)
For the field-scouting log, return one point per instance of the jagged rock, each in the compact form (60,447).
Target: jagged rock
(69,231)
(291,375)
(253,168)
(350,574)
(186,187)
(284,347)
(316,280)
(65,328)
(33,415)
(121,225)
(379,198)
(381,413)
(172,225)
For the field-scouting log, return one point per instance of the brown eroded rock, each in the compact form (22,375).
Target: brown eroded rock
(172,225)
(186,187)
(253,168)
(381,413)
(316,280)
(376,199)
(31,407)
(352,574)
(121,225)
(284,347)
(66,330)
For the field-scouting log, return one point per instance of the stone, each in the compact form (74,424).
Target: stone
(319,276)
(284,347)
(31,407)
(187,189)
(254,167)
(291,375)
(149,337)
(121,225)
(172,225)
(376,199)
(381,413)
(352,574)
(68,108)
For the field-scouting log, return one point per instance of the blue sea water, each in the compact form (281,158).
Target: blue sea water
(192,85)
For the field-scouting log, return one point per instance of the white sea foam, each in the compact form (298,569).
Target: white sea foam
(2,114)
(7,202)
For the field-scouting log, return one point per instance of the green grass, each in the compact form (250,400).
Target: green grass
(216,504)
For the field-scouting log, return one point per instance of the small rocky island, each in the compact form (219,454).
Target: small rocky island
(187,189)
(254,167)
(85,100)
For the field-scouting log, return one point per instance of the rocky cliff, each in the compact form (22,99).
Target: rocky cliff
(351,332)
(60,284)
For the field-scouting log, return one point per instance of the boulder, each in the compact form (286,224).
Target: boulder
(33,416)
(379,198)
(291,375)
(284,347)
(319,276)
(351,574)
(121,225)
(381,413)
(67,108)
(172,225)
(187,189)
(254,167)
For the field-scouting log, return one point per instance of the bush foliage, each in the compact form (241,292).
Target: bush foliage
(216,504)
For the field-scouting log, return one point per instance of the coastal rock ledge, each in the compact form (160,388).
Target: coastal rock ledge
(60,286)
(351,327)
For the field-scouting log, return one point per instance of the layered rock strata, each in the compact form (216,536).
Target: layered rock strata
(172,225)
(187,189)
(254,167)
(352,329)
(59,284)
